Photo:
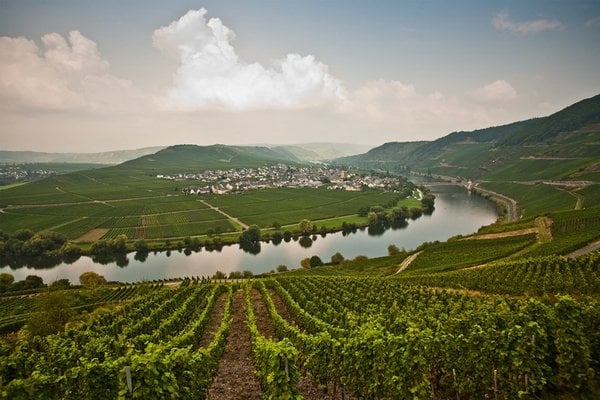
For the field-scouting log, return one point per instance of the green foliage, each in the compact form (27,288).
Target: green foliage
(400,342)
(315,261)
(250,236)
(91,279)
(219,275)
(393,249)
(456,254)
(535,199)
(305,226)
(337,258)
(276,362)
(282,268)
(53,312)
(88,361)
(530,276)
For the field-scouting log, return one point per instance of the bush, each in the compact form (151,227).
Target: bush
(393,249)
(91,279)
(315,261)
(337,258)
(282,268)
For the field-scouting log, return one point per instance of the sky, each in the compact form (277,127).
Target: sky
(89,76)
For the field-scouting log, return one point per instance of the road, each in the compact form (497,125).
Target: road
(585,250)
(231,218)
(512,210)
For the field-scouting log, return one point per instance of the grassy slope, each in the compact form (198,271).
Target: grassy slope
(535,199)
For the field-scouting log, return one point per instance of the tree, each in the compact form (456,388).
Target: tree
(250,235)
(30,282)
(305,226)
(337,258)
(248,274)
(277,238)
(305,263)
(305,242)
(393,249)
(54,310)
(315,261)
(287,235)
(282,268)
(60,284)
(141,245)
(6,278)
(276,225)
(235,275)
(23,234)
(91,279)
(34,281)
(219,275)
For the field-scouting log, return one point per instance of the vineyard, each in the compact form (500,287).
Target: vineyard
(328,337)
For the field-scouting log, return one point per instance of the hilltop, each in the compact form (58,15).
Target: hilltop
(564,145)
(193,158)
(106,157)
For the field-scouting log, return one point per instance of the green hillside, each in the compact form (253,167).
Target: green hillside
(192,158)
(567,141)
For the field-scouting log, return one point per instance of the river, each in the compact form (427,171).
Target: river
(456,213)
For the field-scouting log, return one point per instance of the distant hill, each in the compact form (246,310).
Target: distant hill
(566,144)
(380,157)
(193,158)
(107,157)
(318,152)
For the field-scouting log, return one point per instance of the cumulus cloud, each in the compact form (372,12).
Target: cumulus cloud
(65,74)
(502,22)
(211,74)
(497,91)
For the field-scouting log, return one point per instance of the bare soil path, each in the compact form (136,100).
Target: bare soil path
(585,250)
(235,379)
(214,322)
(231,218)
(406,262)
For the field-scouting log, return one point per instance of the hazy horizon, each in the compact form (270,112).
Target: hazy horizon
(90,77)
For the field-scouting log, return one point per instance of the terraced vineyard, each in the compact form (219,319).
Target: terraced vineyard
(322,337)
(15,310)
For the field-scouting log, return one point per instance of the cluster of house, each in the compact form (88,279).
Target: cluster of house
(280,176)
(21,172)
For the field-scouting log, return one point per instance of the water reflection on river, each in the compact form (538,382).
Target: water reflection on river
(456,212)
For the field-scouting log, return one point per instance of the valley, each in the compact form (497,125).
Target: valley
(469,298)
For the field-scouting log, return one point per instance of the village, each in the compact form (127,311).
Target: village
(11,173)
(281,176)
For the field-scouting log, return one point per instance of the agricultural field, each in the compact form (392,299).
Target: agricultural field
(129,199)
(535,199)
(288,206)
(149,218)
(320,337)
(571,230)
(529,276)
(536,169)
(17,309)
(457,254)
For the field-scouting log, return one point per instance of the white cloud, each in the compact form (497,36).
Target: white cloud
(498,91)
(400,108)
(502,22)
(64,75)
(211,75)
(591,23)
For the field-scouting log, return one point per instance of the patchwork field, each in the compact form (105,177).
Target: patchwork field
(82,206)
